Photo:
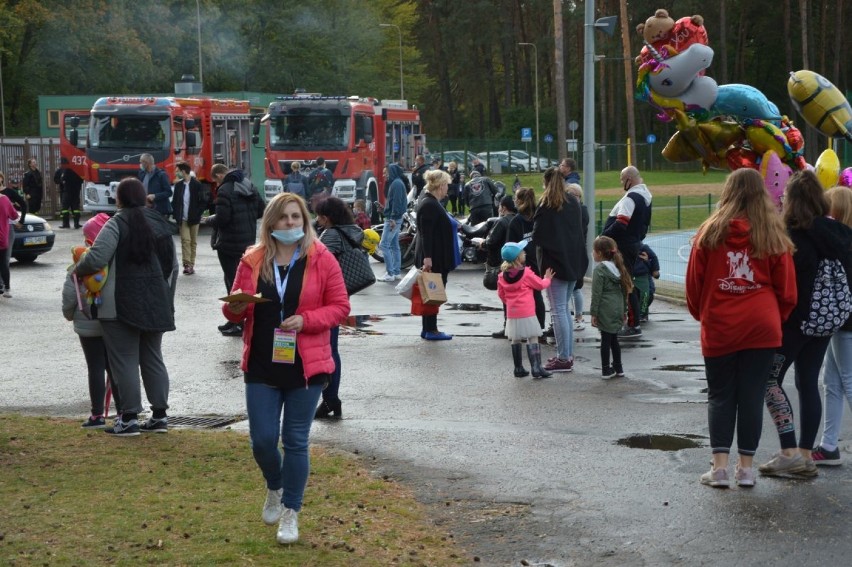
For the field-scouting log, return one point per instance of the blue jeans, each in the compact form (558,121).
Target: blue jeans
(577,295)
(838,384)
(264,404)
(330,392)
(559,293)
(390,247)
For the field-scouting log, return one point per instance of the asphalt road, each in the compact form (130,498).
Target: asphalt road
(515,469)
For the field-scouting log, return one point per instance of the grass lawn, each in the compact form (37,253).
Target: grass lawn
(75,497)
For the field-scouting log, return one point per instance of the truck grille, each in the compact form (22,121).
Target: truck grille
(106,176)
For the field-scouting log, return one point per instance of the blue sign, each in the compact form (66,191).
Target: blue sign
(548,139)
(526,134)
(651,138)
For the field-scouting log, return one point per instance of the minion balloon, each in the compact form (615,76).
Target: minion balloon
(821,104)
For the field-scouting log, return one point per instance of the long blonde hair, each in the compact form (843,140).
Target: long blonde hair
(608,250)
(840,204)
(271,215)
(744,196)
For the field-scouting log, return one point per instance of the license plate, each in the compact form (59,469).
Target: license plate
(35,240)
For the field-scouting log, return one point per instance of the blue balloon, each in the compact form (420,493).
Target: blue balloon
(744,101)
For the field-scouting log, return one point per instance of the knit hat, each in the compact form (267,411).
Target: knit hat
(94,225)
(511,250)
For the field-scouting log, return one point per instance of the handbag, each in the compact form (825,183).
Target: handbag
(489,280)
(406,286)
(355,265)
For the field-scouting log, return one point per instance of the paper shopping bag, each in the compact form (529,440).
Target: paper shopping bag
(432,290)
(417,307)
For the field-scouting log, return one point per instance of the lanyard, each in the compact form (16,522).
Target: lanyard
(282,285)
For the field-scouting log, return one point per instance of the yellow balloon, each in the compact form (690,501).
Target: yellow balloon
(828,169)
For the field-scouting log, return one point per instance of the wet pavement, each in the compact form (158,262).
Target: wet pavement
(572,470)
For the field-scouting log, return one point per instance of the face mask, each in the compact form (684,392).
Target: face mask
(289,236)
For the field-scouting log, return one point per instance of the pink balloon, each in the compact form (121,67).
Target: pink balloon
(846,177)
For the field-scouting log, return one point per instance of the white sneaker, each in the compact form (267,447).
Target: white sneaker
(397,277)
(288,527)
(272,507)
(7,293)
(386,278)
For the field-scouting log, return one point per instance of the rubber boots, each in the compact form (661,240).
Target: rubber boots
(534,353)
(77,220)
(66,217)
(520,371)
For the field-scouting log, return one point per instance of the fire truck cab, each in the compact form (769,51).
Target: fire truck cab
(199,131)
(357,137)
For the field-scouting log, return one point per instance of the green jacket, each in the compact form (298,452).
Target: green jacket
(609,304)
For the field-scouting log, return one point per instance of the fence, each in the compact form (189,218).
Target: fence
(14,154)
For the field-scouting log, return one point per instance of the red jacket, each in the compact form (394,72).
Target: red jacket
(741,301)
(514,288)
(323,304)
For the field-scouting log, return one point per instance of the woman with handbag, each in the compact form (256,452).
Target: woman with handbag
(340,234)
(435,242)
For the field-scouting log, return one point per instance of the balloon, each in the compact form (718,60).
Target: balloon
(705,141)
(744,101)
(742,157)
(684,33)
(821,104)
(93,283)
(764,136)
(697,99)
(828,169)
(775,174)
(794,137)
(846,177)
(672,76)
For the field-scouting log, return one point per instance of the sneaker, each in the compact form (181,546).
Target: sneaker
(619,370)
(809,470)
(501,334)
(397,277)
(559,365)
(607,373)
(780,464)
(549,333)
(123,429)
(744,476)
(579,326)
(436,336)
(186,269)
(226,326)
(630,333)
(272,507)
(386,278)
(717,478)
(643,319)
(824,458)
(7,294)
(155,426)
(288,527)
(235,331)
(94,422)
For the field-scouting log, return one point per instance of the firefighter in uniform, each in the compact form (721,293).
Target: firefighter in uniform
(70,185)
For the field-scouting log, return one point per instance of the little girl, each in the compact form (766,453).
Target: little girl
(611,284)
(515,287)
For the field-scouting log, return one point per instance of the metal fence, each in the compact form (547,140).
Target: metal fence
(14,154)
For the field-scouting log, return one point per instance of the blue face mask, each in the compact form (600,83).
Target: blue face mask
(290,236)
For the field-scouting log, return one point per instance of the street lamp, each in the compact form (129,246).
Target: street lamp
(399,31)
(198,17)
(537,138)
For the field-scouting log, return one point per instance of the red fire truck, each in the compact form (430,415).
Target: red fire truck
(356,136)
(199,131)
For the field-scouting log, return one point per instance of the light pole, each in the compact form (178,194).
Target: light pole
(399,31)
(2,102)
(537,138)
(198,15)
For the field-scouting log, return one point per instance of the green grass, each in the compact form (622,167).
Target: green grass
(610,179)
(75,497)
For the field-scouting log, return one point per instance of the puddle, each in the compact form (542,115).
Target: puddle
(470,307)
(681,368)
(661,442)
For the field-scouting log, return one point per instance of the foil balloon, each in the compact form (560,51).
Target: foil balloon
(821,104)
(744,101)
(93,283)
(705,141)
(671,77)
(764,136)
(738,158)
(845,177)
(775,174)
(827,169)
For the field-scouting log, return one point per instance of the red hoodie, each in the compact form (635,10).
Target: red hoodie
(741,301)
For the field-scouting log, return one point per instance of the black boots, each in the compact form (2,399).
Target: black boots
(77,220)
(329,410)
(534,353)
(66,219)
(520,371)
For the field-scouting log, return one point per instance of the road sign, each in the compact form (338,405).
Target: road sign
(572,145)
(651,138)
(526,134)
(573,125)
(548,138)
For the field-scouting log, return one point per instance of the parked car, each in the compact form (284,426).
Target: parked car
(34,239)
(519,158)
(457,156)
(506,166)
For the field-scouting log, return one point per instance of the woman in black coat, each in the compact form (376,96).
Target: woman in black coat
(436,240)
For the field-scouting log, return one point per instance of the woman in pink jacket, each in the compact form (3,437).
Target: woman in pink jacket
(8,214)
(286,348)
(515,288)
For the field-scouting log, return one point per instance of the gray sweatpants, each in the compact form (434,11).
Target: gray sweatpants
(130,350)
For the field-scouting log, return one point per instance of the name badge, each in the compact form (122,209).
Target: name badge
(284,347)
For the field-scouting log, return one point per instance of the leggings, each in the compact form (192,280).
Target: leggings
(609,342)
(4,266)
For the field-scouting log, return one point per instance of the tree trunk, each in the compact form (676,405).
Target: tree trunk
(559,80)
(628,83)
(723,44)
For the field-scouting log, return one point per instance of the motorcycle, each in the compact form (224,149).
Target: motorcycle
(470,237)
(407,239)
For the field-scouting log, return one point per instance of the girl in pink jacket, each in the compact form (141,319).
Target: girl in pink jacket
(515,288)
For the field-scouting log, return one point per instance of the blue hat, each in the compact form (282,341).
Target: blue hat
(511,250)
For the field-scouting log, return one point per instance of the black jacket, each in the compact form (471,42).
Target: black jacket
(521,228)
(558,236)
(435,237)
(418,179)
(238,206)
(498,236)
(160,187)
(197,202)
(33,184)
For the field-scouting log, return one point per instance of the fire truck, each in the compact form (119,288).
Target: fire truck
(356,136)
(199,131)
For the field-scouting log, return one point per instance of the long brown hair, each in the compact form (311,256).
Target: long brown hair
(744,196)
(554,190)
(804,200)
(608,250)
(525,202)
(273,212)
(840,204)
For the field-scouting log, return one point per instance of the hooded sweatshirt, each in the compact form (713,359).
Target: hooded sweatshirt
(514,288)
(396,201)
(740,300)
(609,302)
(238,206)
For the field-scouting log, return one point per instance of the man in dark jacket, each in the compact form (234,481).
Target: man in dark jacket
(157,185)
(188,203)
(238,206)
(568,169)
(418,178)
(494,243)
(479,195)
(33,186)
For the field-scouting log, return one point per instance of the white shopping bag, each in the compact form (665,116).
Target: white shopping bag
(406,284)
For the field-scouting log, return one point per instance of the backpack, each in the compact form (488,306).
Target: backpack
(830,301)
(320,181)
(295,185)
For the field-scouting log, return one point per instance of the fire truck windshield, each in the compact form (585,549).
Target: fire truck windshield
(309,130)
(130,132)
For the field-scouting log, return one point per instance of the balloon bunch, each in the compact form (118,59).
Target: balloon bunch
(734,125)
